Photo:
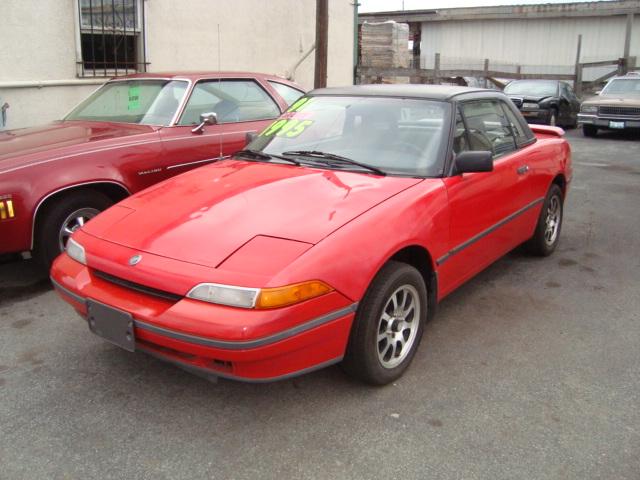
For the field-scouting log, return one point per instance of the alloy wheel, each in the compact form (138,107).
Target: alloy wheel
(74,221)
(398,326)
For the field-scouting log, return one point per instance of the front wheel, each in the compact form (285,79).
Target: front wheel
(589,130)
(388,326)
(547,233)
(60,219)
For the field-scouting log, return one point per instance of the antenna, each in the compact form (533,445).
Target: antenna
(219,82)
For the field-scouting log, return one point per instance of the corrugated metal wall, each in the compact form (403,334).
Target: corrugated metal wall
(545,45)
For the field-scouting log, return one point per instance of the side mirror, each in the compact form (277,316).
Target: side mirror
(250,137)
(470,162)
(209,118)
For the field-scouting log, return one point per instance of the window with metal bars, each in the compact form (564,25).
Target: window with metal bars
(111,37)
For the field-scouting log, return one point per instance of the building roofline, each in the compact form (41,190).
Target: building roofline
(508,12)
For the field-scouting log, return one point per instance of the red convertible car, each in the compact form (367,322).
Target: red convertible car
(131,133)
(331,238)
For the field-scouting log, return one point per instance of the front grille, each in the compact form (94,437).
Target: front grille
(137,287)
(516,101)
(628,111)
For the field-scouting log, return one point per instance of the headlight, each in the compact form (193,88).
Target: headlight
(225,295)
(529,105)
(76,251)
(245,297)
(589,108)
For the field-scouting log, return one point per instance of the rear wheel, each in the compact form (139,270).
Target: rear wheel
(547,233)
(59,220)
(388,326)
(589,130)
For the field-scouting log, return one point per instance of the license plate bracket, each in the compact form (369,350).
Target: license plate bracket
(613,124)
(115,326)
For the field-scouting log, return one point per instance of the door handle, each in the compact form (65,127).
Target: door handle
(523,169)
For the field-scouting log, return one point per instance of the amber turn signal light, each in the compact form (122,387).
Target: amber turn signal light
(291,294)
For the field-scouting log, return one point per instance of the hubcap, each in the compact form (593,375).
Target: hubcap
(73,222)
(552,220)
(398,326)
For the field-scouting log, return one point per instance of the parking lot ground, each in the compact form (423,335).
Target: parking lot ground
(530,371)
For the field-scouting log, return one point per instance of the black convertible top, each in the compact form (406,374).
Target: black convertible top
(433,92)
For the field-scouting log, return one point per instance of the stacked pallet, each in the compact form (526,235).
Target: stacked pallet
(386,45)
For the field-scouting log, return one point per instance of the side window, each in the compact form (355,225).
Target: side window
(516,126)
(289,94)
(488,127)
(231,100)
(460,139)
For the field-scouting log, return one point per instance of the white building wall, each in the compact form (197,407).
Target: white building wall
(544,45)
(38,43)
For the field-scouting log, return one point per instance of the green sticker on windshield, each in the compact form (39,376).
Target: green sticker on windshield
(134,97)
(297,106)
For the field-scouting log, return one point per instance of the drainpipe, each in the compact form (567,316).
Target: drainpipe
(355,40)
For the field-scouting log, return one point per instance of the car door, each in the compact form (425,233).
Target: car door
(241,105)
(485,207)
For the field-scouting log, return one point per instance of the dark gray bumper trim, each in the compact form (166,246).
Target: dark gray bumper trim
(74,296)
(227,345)
(486,232)
(240,345)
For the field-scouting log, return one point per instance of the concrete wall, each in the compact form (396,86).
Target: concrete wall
(38,43)
(540,45)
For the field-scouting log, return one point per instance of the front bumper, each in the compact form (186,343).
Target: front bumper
(216,340)
(605,121)
(536,116)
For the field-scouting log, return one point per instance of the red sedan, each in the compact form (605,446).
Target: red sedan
(332,238)
(131,133)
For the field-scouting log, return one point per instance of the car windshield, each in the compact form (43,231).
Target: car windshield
(393,135)
(533,88)
(622,86)
(147,102)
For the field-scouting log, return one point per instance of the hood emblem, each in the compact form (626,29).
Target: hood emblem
(135,260)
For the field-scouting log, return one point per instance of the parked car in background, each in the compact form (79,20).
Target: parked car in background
(132,132)
(550,102)
(330,239)
(617,107)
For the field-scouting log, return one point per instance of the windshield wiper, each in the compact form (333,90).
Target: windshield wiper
(258,155)
(332,157)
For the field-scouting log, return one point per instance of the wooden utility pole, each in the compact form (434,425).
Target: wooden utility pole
(627,40)
(577,83)
(322,36)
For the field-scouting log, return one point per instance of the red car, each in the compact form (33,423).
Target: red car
(131,133)
(332,238)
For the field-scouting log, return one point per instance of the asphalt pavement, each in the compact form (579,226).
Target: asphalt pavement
(529,371)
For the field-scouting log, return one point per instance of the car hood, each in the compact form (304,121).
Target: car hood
(24,146)
(205,215)
(617,100)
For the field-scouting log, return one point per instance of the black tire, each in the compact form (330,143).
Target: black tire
(362,359)
(541,244)
(589,130)
(51,220)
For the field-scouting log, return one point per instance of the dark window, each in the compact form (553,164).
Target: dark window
(231,100)
(289,94)
(461,138)
(488,128)
(111,37)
